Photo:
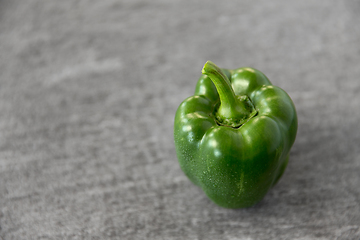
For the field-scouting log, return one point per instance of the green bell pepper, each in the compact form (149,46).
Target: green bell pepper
(233,137)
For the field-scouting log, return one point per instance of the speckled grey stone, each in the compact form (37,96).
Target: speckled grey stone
(89,90)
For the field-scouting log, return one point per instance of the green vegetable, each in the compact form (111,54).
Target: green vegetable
(233,137)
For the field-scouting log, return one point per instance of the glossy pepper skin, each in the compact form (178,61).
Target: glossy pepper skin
(233,137)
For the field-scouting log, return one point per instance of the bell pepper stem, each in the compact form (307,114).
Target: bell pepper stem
(232,111)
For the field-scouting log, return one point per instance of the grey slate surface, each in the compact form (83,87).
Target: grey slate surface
(88,94)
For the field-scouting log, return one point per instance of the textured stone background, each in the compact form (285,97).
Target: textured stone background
(88,94)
